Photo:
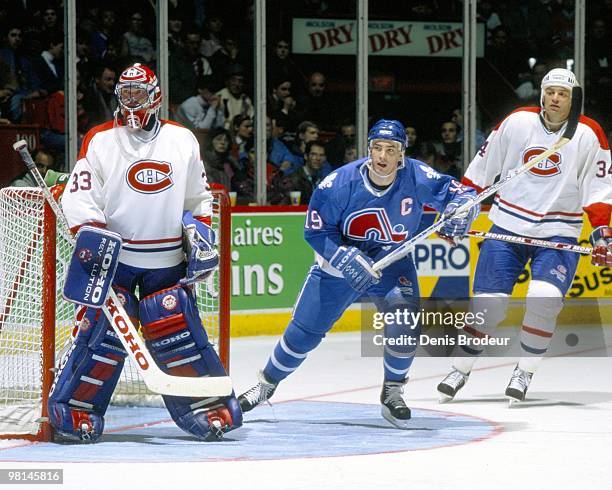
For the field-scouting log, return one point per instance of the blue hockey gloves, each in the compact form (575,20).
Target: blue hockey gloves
(355,267)
(458,226)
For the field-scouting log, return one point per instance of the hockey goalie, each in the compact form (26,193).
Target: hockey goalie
(139,191)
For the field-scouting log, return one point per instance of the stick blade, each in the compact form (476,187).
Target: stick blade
(192,387)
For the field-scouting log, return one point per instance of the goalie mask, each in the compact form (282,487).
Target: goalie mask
(139,96)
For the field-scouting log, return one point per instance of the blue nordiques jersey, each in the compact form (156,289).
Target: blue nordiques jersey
(346,210)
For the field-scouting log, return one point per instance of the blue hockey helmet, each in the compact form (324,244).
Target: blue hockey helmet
(388,129)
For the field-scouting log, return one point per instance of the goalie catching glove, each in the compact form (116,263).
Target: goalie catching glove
(601,239)
(355,267)
(200,251)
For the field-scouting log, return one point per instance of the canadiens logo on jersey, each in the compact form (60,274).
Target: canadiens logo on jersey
(548,167)
(149,176)
(373,224)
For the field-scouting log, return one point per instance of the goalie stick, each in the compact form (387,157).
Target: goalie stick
(155,379)
(534,242)
(572,123)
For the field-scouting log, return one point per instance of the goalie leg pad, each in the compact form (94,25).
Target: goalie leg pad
(87,375)
(210,419)
(74,424)
(178,342)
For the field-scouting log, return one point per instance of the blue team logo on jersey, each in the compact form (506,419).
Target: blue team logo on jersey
(328,181)
(431,173)
(373,224)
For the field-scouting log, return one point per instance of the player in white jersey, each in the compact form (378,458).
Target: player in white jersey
(142,178)
(546,202)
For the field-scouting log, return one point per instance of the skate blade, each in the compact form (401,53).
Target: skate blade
(444,398)
(400,424)
(513,401)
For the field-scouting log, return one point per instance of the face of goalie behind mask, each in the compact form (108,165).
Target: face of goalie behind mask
(139,97)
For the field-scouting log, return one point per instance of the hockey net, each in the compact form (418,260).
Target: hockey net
(36,324)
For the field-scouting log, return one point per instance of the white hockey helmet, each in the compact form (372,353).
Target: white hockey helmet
(557,77)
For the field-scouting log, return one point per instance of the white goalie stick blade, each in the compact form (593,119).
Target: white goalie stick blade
(572,123)
(155,379)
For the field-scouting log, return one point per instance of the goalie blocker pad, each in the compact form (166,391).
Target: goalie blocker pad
(92,266)
(179,344)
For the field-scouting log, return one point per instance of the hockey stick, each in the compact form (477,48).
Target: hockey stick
(572,123)
(534,242)
(155,379)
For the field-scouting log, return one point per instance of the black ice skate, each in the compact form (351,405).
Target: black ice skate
(394,408)
(260,393)
(450,385)
(519,383)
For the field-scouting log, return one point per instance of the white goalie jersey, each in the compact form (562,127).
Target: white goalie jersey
(139,190)
(551,198)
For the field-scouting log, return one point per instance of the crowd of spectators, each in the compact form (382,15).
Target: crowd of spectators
(526,38)
(309,132)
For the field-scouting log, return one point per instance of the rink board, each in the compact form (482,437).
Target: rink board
(265,309)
